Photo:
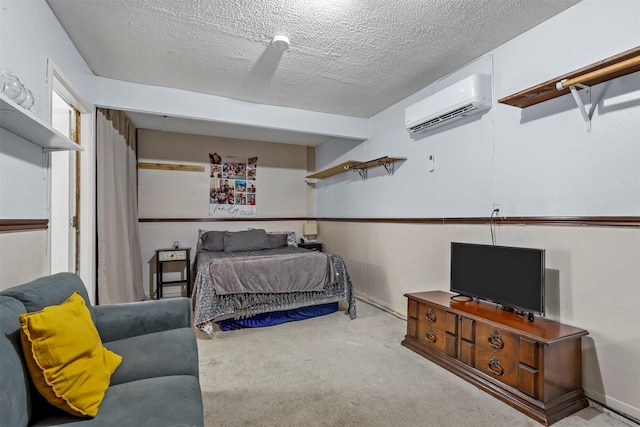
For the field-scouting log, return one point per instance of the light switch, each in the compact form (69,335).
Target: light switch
(431,163)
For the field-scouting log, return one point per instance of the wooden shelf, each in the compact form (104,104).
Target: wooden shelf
(356,166)
(335,170)
(170,167)
(23,123)
(386,161)
(598,72)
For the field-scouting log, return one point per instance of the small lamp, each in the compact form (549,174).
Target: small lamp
(310,229)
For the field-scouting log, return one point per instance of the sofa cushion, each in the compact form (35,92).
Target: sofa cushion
(49,290)
(66,359)
(15,395)
(164,401)
(171,352)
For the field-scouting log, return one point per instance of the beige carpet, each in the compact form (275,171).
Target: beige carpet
(332,371)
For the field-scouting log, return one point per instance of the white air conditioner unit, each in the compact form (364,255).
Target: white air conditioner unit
(469,96)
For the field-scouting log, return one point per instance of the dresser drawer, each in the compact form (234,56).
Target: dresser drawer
(467,329)
(496,340)
(412,309)
(432,336)
(528,352)
(412,327)
(433,316)
(496,365)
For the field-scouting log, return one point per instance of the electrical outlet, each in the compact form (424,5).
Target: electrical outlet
(497,211)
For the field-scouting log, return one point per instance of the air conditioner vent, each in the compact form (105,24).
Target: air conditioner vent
(469,96)
(443,118)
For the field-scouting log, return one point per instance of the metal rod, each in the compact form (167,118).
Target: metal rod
(584,79)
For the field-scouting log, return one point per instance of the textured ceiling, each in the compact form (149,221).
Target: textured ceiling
(349,57)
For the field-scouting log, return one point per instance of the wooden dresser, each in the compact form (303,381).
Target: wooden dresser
(536,367)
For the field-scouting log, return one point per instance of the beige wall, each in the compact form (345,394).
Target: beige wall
(23,257)
(281,190)
(593,282)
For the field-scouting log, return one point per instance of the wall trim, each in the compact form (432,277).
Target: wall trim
(23,224)
(591,221)
(217,219)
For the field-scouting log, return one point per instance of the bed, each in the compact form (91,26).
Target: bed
(244,274)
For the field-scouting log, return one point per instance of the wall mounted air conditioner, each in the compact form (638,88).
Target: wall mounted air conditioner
(469,96)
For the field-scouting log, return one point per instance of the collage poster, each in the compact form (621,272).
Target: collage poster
(232,188)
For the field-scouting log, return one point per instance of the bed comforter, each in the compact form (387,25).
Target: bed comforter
(258,289)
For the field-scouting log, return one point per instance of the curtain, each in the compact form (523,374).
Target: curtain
(119,258)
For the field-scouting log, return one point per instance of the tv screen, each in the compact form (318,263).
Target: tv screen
(509,276)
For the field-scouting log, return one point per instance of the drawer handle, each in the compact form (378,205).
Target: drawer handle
(431,336)
(495,366)
(495,340)
(431,315)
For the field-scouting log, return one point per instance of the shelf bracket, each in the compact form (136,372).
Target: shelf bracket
(361,171)
(389,166)
(576,97)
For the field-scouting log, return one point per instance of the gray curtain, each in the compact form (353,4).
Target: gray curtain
(119,258)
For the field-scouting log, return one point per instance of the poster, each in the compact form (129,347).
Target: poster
(232,188)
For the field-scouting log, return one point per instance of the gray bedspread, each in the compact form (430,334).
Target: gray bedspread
(272,273)
(209,305)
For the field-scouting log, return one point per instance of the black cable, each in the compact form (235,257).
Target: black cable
(491,225)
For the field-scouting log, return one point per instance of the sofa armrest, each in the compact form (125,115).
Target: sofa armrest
(119,321)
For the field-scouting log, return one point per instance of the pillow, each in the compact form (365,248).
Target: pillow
(291,237)
(211,241)
(250,240)
(277,240)
(68,364)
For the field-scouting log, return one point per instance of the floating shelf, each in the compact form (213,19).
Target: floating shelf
(386,161)
(23,123)
(335,170)
(599,72)
(170,167)
(360,167)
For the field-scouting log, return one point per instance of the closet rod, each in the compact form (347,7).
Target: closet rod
(584,79)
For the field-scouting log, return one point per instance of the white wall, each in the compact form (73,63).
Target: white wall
(534,161)
(539,161)
(281,190)
(181,103)
(30,36)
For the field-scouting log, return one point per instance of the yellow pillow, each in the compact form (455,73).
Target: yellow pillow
(66,359)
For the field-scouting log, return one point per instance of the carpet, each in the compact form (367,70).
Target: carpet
(332,371)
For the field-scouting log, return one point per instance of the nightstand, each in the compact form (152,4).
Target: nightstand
(314,246)
(172,255)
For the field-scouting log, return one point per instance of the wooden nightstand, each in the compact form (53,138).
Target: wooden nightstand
(314,246)
(172,255)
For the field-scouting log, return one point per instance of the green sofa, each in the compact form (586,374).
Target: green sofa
(156,384)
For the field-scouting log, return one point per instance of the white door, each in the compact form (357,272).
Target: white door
(64,190)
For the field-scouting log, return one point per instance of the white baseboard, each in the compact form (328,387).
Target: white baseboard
(613,407)
(377,303)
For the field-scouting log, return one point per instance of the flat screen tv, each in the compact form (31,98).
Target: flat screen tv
(509,276)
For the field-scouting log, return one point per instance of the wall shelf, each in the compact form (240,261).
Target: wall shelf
(386,161)
(599,72)
(170,167)
(335,170)
(356,166)
(23,123)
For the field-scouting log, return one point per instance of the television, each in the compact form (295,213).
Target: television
(512,277)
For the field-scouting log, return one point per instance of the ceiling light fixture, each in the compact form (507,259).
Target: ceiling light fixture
(280,42)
